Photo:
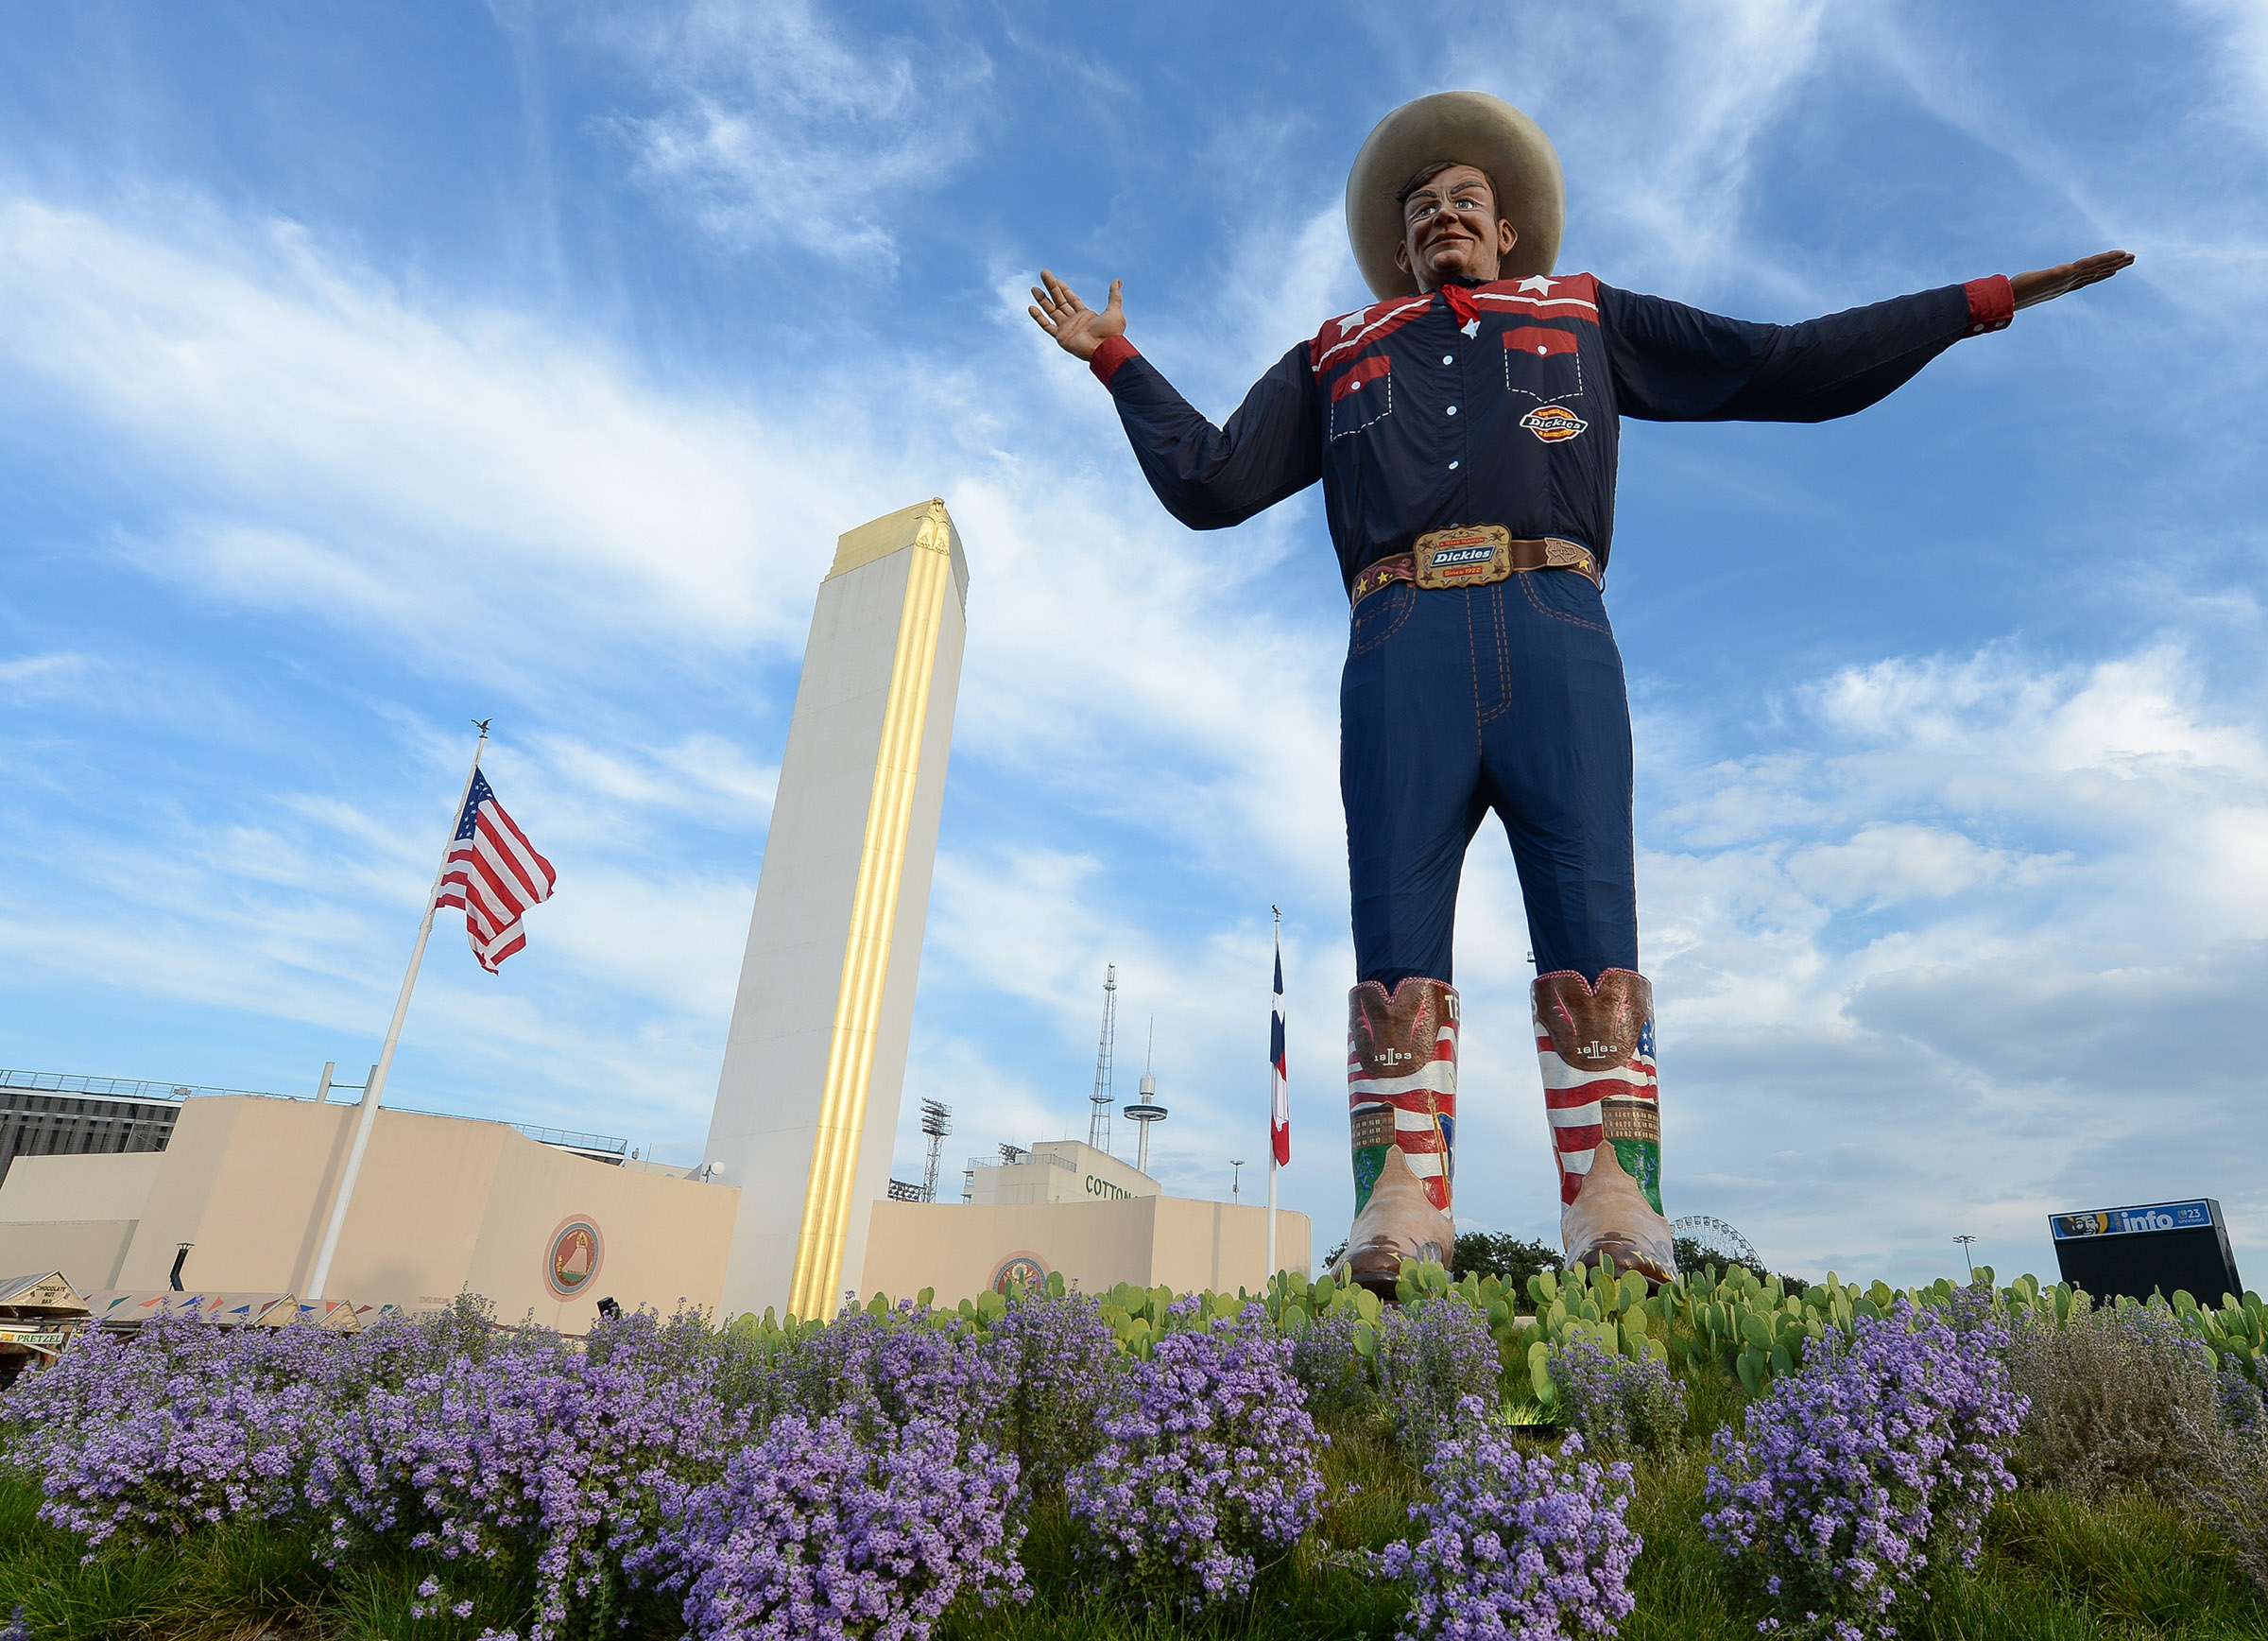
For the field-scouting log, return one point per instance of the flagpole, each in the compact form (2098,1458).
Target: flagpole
(1272,1120)
(369,1115)
(1271,1213)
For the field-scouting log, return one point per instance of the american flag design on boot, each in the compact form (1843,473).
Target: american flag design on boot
(1401,1084)
(1596,1047)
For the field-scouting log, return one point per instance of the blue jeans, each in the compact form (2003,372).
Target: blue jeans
(1457,701)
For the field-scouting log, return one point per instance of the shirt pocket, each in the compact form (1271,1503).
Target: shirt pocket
(1543,363)
(1361,394)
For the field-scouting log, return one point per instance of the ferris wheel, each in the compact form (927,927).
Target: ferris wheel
(1717,1238)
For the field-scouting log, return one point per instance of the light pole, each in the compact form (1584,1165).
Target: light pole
(1965,1243)
(1235,1175)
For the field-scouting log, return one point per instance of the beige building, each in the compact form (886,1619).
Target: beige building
(444,1204)
(447,1205)
(1059,1171)
(960,1249)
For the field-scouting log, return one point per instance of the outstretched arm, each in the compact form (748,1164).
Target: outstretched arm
(2040,285)
(1208,477)
(1674,363)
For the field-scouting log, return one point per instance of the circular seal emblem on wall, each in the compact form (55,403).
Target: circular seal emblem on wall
(577,1250)
(1024,1270)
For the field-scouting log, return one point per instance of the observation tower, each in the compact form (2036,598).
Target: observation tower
(1145,1109)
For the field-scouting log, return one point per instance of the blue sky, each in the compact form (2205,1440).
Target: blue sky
(366,372)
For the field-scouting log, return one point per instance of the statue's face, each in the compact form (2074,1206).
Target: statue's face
(1451,228)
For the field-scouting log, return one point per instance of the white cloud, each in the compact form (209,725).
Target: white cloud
(2242,57)
(1885,865)
(778,128)
(1681,180)
(2074,857)
(469,481)
(1659,116)
(45,678)
(2197,229)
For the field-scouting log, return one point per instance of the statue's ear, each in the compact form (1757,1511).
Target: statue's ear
(1401,257)
(1506,236)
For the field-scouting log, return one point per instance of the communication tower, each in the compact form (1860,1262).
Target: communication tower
(1098,1126)
(1145,1109)
(936,1122)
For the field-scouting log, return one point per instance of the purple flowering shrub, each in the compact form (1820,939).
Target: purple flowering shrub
(1868,1471)
(1515,1548)
(183,1427)
(1434,1357)
(537,1459)
(1061,1376)
(824,1532)
(888,1369)
(1214,1465)
(1330,1368)
(1617,1405)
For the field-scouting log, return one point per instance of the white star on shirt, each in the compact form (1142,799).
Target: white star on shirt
(1536,283)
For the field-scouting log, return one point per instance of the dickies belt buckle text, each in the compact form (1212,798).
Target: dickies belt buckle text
(1466,556)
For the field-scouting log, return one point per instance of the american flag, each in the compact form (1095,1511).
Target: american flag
(1279,1103)
(493,875)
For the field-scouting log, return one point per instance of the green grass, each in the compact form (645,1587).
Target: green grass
(2054,1569)
(232,1582)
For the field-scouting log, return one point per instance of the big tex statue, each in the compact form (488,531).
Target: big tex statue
(1464,429)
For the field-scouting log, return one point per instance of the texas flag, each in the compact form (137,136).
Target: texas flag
(1279,1105)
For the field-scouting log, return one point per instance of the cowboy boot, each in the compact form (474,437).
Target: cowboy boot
(1597,1048)
(1402,1094)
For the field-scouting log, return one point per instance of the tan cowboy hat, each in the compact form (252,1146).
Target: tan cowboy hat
(1467,128)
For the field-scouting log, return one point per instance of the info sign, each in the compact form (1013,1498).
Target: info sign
(2163,1248)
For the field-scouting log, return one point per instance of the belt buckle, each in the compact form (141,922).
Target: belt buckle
(1463,555)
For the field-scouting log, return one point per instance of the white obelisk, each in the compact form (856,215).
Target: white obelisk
(807,1104)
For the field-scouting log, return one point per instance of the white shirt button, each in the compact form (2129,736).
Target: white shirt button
(1449,358)
(1452,467)
(1452,409)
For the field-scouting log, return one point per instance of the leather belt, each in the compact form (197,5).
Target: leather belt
(1473,556)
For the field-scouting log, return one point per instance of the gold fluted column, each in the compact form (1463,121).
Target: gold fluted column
(830,1198)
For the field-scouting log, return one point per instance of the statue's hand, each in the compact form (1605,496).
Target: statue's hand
(2047,283)
(1078,329)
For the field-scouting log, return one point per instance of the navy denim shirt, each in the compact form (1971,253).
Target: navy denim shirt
(1500,404)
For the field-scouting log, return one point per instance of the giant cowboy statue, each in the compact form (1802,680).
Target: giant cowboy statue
(1464,427)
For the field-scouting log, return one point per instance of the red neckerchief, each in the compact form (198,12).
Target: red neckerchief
(1461,302)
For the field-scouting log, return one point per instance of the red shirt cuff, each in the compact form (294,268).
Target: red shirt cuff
(1116,350)
(1991,303)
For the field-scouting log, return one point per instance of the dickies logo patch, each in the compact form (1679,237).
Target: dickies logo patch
(1451,557)
(1553,423)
